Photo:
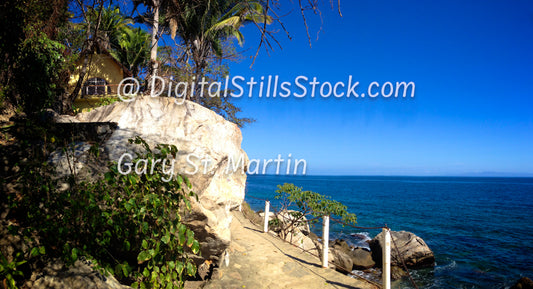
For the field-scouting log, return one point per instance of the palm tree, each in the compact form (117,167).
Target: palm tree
(112,25)
(152,18)
(133,49)
(230,23)
(204,25)
(101,27)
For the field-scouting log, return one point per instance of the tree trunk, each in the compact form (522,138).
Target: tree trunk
(66,106)
(153,50)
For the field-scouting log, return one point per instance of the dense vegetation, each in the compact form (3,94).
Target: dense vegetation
(42,43)
(127,225)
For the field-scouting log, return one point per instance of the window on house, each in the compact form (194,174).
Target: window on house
(95,86)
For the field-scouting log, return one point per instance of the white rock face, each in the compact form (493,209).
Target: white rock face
(205,141)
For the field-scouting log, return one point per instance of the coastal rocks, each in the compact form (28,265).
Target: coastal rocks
(415,252)
(523,283)
(301,240)
(210,155)
(362,259)
(341,260)
(289,219)
(397,273)
(293,230)
(347,258)
(341,245)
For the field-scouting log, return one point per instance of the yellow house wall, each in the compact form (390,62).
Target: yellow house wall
(102,66)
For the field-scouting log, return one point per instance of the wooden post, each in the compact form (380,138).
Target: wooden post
(267,213)
(325,240)
(386,258)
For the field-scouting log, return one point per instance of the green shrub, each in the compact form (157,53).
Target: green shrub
(127,224)
(8,270)
(308,205)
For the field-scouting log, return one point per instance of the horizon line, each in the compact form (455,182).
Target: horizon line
(473,175)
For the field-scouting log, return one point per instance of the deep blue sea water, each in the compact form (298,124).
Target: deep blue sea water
(480,229)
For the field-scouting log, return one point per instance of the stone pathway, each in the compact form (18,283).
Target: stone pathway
(259,260)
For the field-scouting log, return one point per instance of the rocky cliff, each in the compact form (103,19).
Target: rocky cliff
(210,155)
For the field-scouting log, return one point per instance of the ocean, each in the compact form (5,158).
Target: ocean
(480,229)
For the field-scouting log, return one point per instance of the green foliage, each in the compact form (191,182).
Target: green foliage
(8,270)
(229,24)
(130,46)
(128,224)
(204,32)
(106,101)
(112,24)
(32,69)
(309,205)
(207,32)
(133,49)
(39,66)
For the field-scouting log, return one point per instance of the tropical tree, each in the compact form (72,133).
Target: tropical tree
(112,25)
(32,70)
(133,49)
(204,32)
(306,207)
(204,28)
(152,18)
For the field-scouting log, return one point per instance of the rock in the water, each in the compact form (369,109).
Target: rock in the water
(523,283)
(362,259)
(397,273)
(413,249)
(206,142)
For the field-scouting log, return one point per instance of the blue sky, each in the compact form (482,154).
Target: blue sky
(472,113)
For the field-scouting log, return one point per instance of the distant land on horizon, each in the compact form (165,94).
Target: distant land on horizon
(466,175)
(471,114)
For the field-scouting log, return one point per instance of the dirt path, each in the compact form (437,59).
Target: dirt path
(259,260)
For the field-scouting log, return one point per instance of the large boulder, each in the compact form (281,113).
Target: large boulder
(205,141)
(340,260)
(302,240)
(362,259)
(415,252)
(291,219)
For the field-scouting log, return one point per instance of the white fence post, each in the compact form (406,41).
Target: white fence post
(386,258)
(325,240)
(267,213)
